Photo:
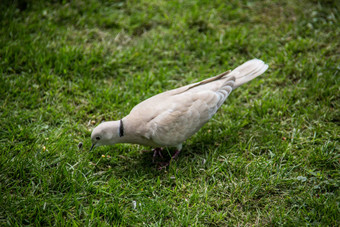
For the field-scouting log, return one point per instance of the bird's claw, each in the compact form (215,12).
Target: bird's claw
(163,165)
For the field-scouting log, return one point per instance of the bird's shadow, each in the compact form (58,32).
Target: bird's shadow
(130,160)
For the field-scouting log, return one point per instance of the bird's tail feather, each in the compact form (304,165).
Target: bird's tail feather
(248,71)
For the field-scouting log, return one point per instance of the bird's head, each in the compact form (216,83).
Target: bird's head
(106,133)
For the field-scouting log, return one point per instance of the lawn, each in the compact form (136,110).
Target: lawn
(269,157)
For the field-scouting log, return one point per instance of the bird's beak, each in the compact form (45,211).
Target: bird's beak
(92,146)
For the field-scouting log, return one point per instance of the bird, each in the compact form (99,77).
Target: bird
(170,118)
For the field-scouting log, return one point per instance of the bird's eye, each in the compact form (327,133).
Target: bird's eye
(97,138)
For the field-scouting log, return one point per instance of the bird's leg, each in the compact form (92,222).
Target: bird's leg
(163,165)
(157,151)
(176,154)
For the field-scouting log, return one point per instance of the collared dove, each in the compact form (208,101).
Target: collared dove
(171,117)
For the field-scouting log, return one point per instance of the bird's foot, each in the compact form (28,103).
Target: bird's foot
(163,165)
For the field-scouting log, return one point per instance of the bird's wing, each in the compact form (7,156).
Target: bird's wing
(153,105)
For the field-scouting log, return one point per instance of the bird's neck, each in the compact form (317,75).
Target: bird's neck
(130,132)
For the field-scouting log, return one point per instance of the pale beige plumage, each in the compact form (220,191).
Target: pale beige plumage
(171,117)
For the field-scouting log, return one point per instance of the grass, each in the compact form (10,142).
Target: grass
(269,157)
